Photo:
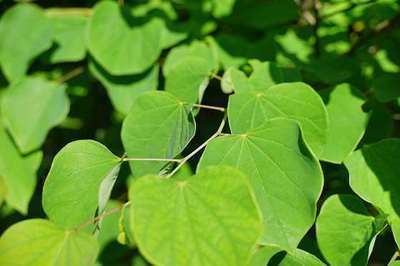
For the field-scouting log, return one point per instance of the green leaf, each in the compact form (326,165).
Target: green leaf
(69,38)
(109,225)
(234,80)
(261,15)
(17,173)
(209,218)
(74,188)
(300,258)
(25,32)
(123,90)
(267,74)
(297,101)
(272,255)
(187,70)
(40,242)
(263,255)
(31,107)
(385,86)
(157,126)
(285,176)
(345,230)
(120,42)
(374,172)
(347,122)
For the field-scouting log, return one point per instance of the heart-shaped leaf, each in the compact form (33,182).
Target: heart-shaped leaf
(121,43)
(207,219)
(79,182)
(345,230)
(285,176)
(157,126)
(296,101)
(40,242)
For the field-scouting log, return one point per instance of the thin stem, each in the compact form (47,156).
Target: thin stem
(103,215)
(68,11)
(190,155)
(210,107)
(394,257)
(217,77)
(151,159)
(72,74)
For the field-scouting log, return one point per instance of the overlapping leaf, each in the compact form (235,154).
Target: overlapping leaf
(25,32)
(31,107)
(285,176)
(69,37)
(296,101)
(374,172)
(121,43)
(209,218)
(346,230)
(40,242)
(17,173)
(123,90)
(347,122)
(187,70)
(79,182)
(157,126)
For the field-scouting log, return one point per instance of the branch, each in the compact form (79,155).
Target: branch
(394,257)
(210,107)
(125,159)
(190,155)
(72,74)
(102,216)
(383,27)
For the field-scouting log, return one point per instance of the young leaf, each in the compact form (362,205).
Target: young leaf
(40,242)
(17,173)
(31,107)
(373,172)
(25,32)
(347,122)
(69,38)
(209,218)
(157,126)
(296,101)
(345,230)
(72,191)
(300,258)
(123,90)
(187,70)
(285,176)
(120,42)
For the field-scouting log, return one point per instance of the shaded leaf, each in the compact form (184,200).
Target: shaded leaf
(157,126)
(25,32)
(347,122)
(31,107)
